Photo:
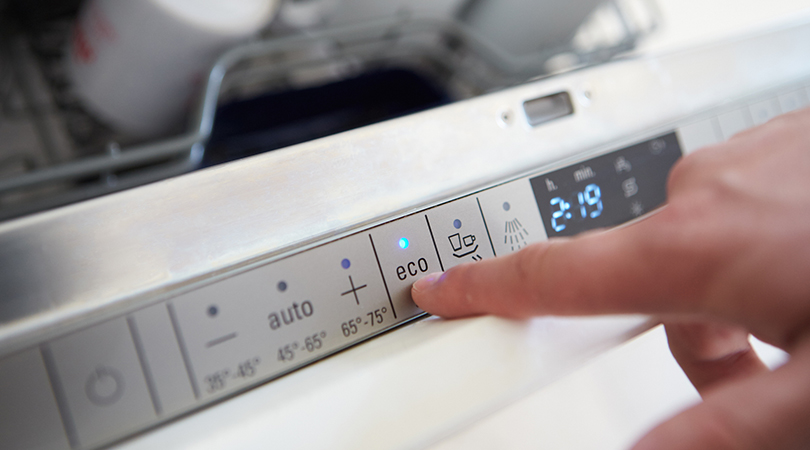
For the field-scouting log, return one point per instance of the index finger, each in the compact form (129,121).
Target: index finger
(631,269)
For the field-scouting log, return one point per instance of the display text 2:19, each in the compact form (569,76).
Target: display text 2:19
(588,204)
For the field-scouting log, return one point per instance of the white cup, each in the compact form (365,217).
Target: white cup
(136,63)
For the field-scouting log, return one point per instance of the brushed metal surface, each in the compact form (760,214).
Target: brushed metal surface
(103,255)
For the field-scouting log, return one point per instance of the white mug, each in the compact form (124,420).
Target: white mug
(136,63)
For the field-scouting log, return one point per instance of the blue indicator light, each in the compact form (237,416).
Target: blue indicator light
(457,224)
(345,263)
(403,243)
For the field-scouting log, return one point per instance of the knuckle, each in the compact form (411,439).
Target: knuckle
(705,426)
(724,429)
(794,120)
(535,270)
(527,260)
(689,246)
(683,167)
(463,279)
(687,168)
(529,266)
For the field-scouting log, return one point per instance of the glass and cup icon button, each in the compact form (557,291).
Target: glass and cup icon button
(463,245)
(460,232)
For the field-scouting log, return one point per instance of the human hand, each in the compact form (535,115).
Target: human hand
(728,255)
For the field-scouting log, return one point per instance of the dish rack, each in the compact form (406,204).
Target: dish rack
(53,152)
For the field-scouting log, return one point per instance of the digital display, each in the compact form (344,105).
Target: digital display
(607,190)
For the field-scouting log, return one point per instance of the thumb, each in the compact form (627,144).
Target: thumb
(767,410)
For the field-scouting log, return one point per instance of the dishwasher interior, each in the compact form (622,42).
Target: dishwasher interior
(296,81)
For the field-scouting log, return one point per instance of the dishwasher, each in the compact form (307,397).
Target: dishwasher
(253,289)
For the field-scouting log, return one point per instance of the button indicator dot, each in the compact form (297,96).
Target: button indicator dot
(457,224)
(403,243)
(506,206)
(345,263)
(282,286)
(213,311)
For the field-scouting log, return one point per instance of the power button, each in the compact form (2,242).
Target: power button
(104,386)
(102,382)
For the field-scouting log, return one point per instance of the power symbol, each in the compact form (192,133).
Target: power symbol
(104,386)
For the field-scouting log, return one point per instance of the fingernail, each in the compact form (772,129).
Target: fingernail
(428,281)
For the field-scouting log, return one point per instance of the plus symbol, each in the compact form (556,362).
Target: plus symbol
(353,290)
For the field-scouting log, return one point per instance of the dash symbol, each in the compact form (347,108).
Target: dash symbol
(220,340)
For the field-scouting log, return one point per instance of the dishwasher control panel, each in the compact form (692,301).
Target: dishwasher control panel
(242,329)
(189,343)
(269,320)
